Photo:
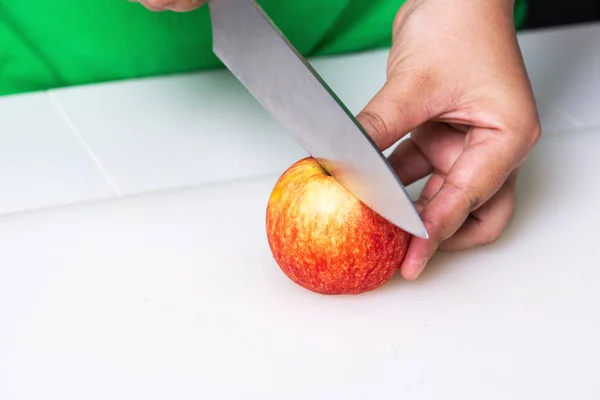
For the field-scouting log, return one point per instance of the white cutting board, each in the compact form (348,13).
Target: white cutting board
(174,295)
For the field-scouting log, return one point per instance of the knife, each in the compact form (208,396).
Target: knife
(258,54)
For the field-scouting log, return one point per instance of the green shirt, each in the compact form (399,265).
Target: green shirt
(49,44)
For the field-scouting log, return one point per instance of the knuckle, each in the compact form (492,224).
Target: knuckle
(527,131)
(374,124)
(488,234)
(435,231)
(526,137)
(536,132)
(470,199)
(497,178)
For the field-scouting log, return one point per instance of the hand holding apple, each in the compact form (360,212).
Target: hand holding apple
(325,239)
(456,81)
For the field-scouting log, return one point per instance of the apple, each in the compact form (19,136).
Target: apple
(325,239)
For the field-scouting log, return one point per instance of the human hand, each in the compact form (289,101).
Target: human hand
(456,79)
(171,5)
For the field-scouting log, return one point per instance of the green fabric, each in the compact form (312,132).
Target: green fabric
(48,44)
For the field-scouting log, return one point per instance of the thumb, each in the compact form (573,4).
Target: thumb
(398,108)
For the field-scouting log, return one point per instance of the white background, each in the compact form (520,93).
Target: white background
(133,261)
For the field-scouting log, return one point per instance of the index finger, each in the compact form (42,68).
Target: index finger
(474,178)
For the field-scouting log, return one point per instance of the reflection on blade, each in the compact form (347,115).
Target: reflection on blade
(285,84)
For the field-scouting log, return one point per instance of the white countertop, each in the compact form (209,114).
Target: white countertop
(133,260)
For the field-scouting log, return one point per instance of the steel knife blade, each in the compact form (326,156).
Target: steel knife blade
(259,55)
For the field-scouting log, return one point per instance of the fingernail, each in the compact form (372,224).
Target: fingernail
(419,268)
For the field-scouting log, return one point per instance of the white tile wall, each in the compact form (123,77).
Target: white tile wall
(42,163)
(175,131)
(190,129)
(564,66)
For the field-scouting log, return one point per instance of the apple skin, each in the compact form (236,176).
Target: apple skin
(325,239)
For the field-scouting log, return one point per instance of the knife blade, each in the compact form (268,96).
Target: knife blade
(259,55)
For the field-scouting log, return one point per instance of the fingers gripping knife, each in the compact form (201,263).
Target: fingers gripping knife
(264,61)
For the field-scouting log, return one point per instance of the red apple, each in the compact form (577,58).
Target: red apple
(325,239)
